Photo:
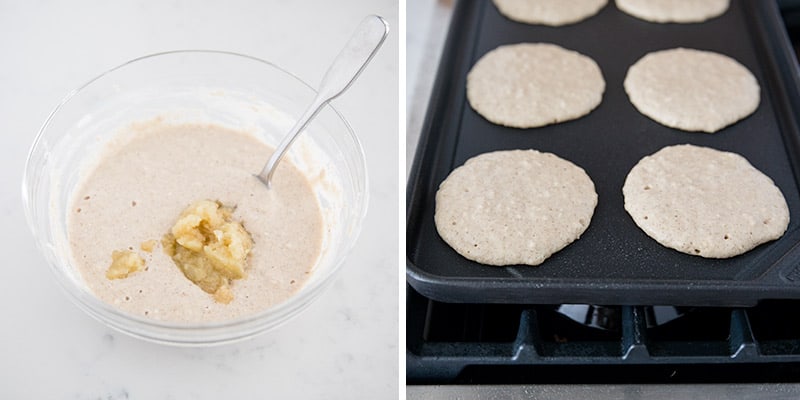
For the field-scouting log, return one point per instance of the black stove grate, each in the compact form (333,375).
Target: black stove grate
(498,343)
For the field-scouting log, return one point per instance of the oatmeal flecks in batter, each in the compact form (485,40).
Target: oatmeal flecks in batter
(672,11)
(124,263)
(528,85)
(704,202)
(549,12)
(209,247)
(514,207)
(692,90)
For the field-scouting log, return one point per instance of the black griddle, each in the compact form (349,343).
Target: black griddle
(614,262)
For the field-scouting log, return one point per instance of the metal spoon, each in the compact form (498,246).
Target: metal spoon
(344,70)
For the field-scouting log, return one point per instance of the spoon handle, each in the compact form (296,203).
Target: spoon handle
(344,70)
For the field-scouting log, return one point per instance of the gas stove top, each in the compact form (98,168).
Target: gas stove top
(604,351)
(515,344)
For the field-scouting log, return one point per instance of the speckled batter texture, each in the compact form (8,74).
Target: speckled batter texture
(549,12)
(528,85)
(514,207)
(704,202)
(692,90)
(139,189)
(679,11)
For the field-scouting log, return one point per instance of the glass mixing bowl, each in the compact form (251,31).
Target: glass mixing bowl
(225,88)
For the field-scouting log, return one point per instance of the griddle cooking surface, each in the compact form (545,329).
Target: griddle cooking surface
(614,262)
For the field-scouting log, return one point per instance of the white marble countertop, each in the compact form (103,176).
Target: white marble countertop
(344,346)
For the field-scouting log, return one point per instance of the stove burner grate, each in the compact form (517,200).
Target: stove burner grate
(501,343)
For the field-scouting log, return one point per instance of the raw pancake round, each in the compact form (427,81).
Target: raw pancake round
(514,207)
(692,90)
(704,202)
(549,12)
(679,11)
(528,85)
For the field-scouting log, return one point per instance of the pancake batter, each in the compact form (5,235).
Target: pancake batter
(141,186)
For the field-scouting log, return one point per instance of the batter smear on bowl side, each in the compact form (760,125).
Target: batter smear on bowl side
(230,247)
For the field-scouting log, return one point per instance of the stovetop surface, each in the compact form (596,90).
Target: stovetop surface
(512,344)
(531,351)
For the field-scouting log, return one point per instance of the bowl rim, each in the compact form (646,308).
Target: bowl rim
(177,332)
